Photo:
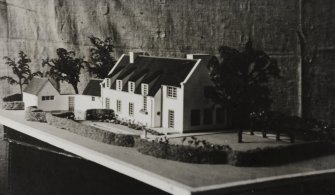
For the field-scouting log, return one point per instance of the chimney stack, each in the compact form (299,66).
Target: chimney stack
(133,56)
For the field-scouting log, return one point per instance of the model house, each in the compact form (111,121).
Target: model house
(42,93)
(164,93)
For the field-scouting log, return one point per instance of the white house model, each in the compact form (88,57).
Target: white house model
(43,94)
(164,93)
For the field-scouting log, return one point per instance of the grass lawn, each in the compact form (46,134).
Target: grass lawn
(229,138)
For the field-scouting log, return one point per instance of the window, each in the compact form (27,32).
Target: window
(145,89)
(195,117)
(172,92)
(118,106)
(93,99)
(171,119)
(51,97)
(131,87)
(145,103)
(108,83)
(71,103)
(131,109)
(119,85)
(208,117)
(219,116)
(107,103)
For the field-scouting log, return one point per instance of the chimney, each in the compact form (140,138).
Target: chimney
(133,56)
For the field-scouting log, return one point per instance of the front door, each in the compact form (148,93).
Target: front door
(71,103)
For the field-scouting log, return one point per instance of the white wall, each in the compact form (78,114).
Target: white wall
(194,99)
(84,102)
(29,100)
(125,97)
(57,104)
(175,104)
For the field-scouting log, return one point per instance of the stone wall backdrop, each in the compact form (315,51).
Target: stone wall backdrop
(175,28)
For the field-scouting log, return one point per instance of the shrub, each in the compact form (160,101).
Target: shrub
(16,105)
(68,115)
(279,155)
(34,114)
(100,114)
(12,98)
(210,155)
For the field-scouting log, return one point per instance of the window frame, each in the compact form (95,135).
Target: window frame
(118,106)
(145,103)
(119,85)
(108,83)
(131,87)
(48,98)
(144,89)
(171,92)
(171,119)
(131,109)
(107,103)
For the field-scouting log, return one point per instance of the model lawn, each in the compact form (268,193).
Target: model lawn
(204,148)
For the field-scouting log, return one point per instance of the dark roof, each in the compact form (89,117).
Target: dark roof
(156,71)
(36,85)
(93,88)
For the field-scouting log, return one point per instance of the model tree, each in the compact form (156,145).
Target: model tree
(65,68)
(21,70)
(102,60)
(241,81)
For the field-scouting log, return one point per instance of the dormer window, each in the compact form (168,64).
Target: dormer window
(172,92)
(119,85)
(108,83)
(131,87)
(145,89)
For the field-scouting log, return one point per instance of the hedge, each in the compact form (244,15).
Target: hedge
(91,132)
(65,114)
(270,156)
(34,114)
(13,98)
(100,114)
(209,155)
(15,105)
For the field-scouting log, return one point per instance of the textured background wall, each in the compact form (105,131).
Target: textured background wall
(318,21)
(164,28)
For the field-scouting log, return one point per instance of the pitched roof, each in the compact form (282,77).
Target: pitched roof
(93,88)
(156,71)
(36,85)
